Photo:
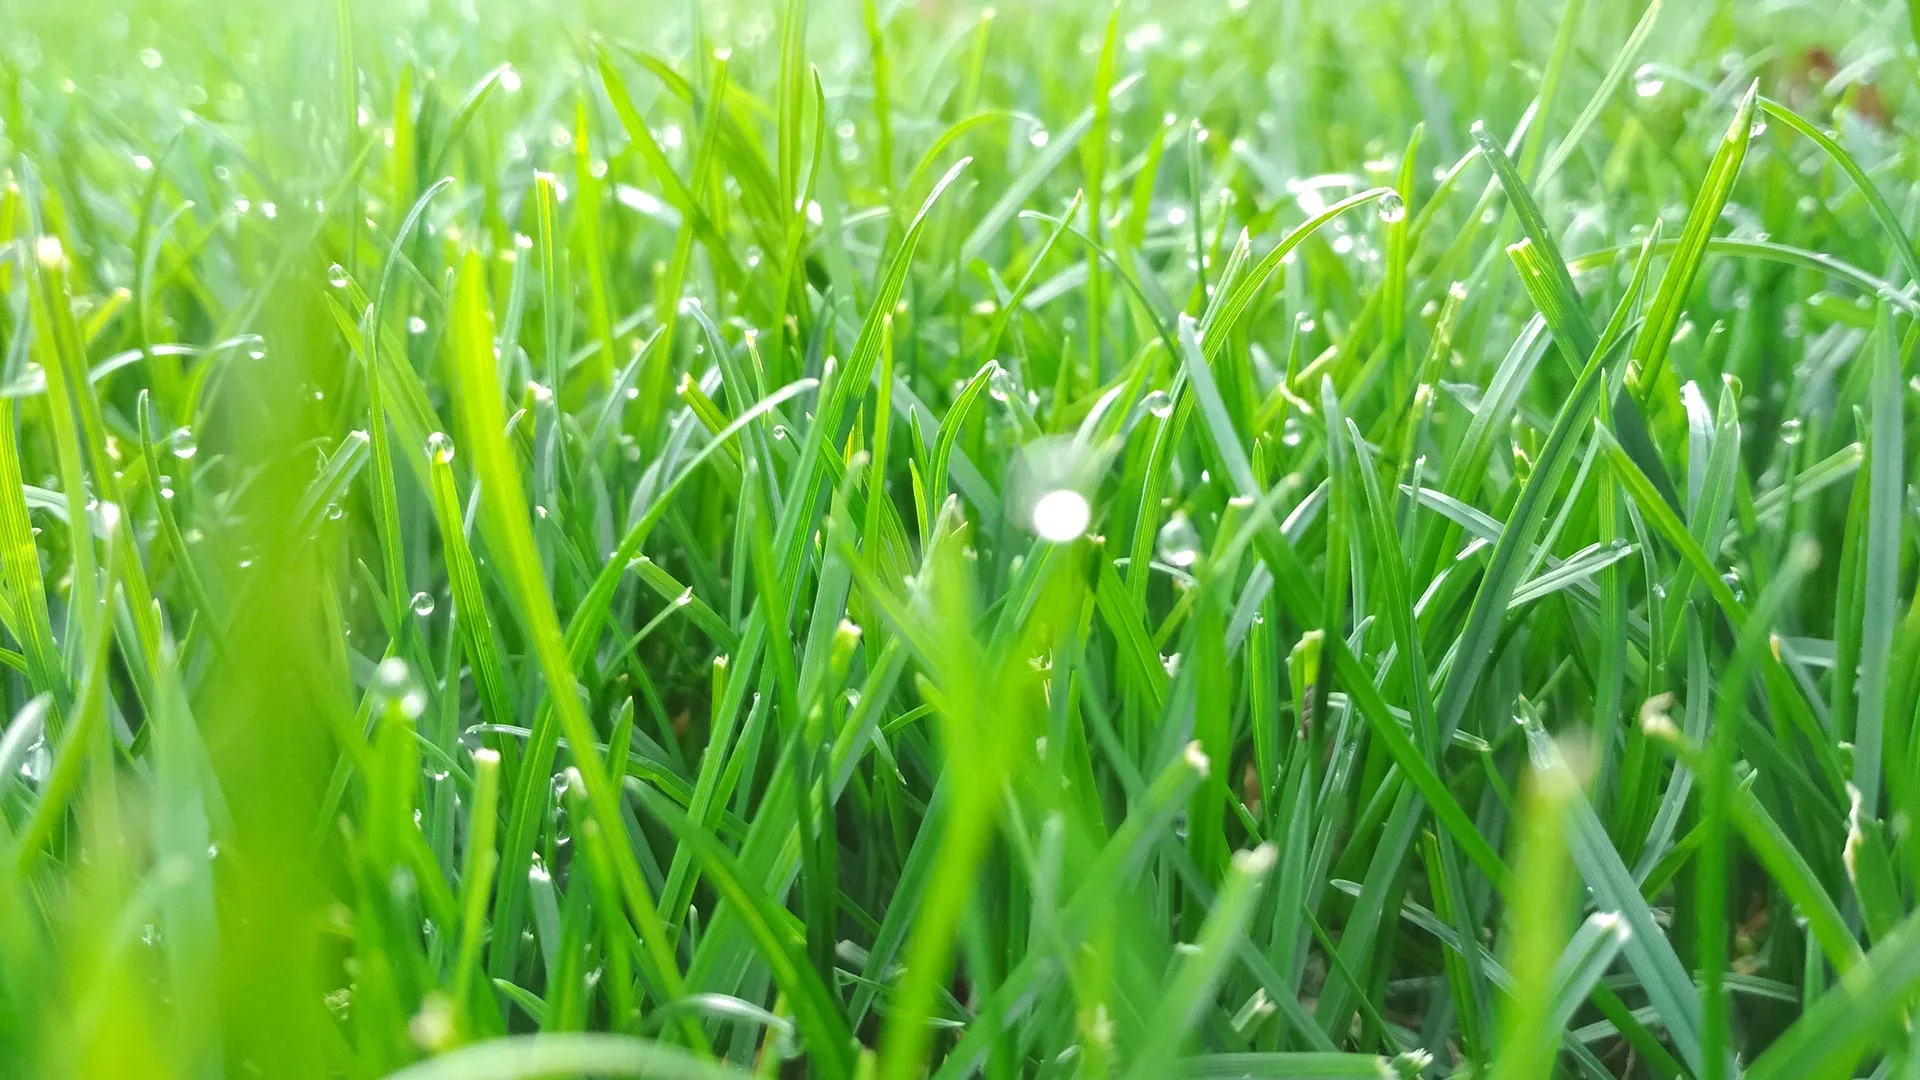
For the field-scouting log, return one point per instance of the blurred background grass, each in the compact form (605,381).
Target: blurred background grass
(209,850)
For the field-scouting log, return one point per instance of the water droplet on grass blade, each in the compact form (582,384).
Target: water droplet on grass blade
(1392,207)
(423,604)
(1061,515)
(1000,385)
(1179,542)
(439,448)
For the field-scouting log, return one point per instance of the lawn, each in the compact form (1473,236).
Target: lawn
(875,539)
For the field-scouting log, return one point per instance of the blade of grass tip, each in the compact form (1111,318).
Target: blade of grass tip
(1544,274)
(1583,962)
(950,425)
(510,538)
(527,1057)
(1229,452)
(1561,301)
(1663,314)
(1616,74)
(1541,895)
(1193,982)
(1889,220)
(1885,515)
(463,115)
(1219,329)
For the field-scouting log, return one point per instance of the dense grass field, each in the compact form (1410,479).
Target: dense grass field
(884,538)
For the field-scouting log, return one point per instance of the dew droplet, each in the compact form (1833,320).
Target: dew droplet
(1159,403)
(1790,431)
(1000,385)
(393,682)
(1647,81)
(1179,541)
(337,276)
(182,444)
(423,604)
(1061,515)
(416,325)
(1392,207)
(439,448)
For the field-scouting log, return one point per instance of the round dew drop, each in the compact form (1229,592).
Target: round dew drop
(1392,208)
(423,604)
(1061,515)
(439,448)
(1179,542)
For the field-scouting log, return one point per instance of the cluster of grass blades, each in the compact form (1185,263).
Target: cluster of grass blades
(884,538)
